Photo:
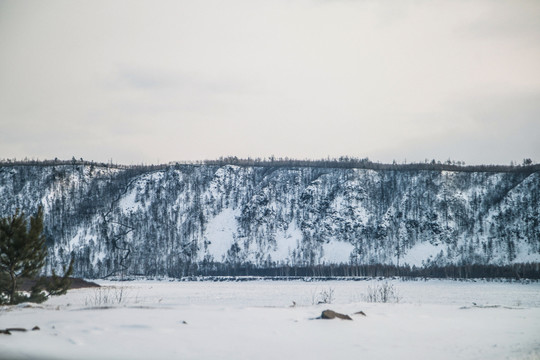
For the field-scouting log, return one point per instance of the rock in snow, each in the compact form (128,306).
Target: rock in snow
(330,314)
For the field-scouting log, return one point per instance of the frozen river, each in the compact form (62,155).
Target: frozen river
(435,319)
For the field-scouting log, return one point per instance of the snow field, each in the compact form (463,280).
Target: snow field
(254,320)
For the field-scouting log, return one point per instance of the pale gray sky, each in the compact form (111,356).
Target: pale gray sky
(148,81)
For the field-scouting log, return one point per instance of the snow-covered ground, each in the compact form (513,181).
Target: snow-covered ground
(434,319)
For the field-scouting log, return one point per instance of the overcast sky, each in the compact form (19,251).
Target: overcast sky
(158,81)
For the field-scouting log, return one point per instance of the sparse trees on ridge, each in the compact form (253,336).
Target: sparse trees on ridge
(347,162)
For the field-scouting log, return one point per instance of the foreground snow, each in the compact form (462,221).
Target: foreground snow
(255,320)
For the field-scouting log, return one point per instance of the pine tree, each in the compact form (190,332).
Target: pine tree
(22,251)
(22,255)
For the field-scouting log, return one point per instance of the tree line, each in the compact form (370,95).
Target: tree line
(343,162)
(470,271)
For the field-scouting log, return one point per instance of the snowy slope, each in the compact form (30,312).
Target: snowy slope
(187,219)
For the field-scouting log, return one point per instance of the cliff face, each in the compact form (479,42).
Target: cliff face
(175,220)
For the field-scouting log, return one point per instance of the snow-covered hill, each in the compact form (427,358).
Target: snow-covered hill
(186,219)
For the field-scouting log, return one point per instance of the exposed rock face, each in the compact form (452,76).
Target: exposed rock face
(184,219)
(76,283)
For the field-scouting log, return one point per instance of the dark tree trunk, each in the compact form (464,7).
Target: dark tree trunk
(13,288)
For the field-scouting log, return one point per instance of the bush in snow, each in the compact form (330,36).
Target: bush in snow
(382,293)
